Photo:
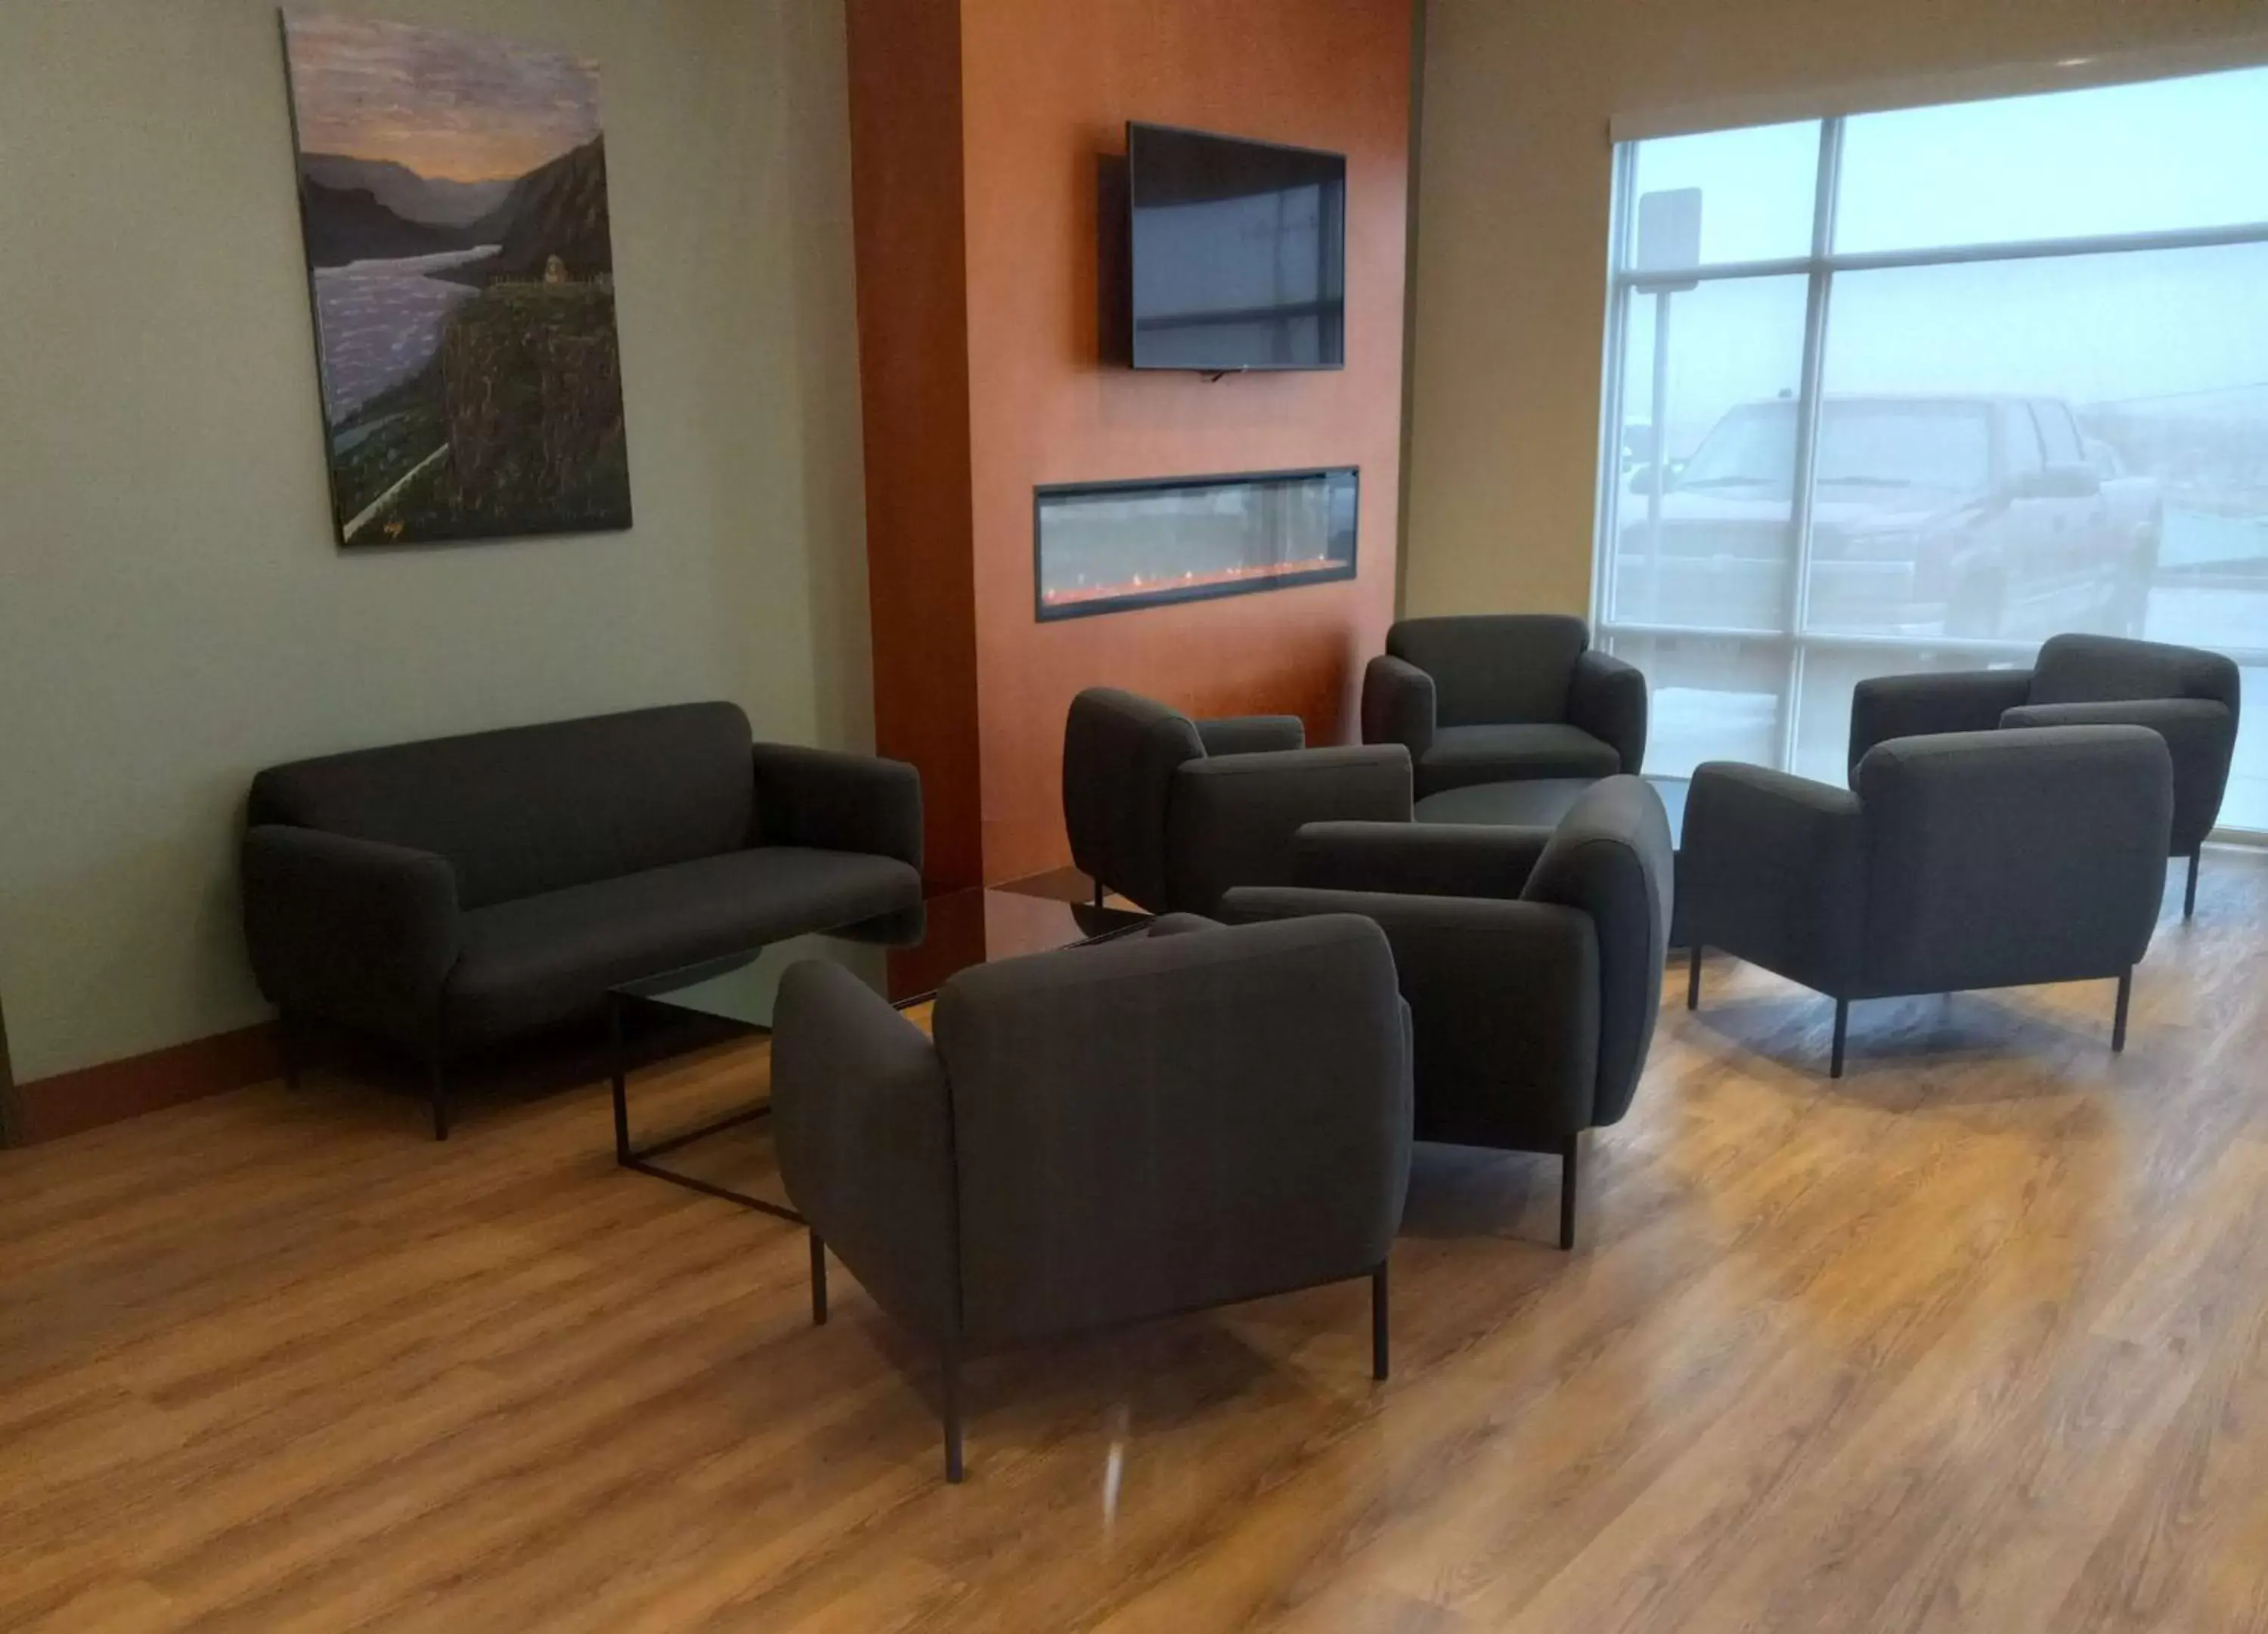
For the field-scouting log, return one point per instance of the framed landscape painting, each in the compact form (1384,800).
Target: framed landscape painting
(453,194)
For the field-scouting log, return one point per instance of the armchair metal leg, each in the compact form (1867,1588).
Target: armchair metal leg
(818,1280)
(1099,893)
(2118,1018)
(1842,1031)
(437,1091)
(952,1471)
(1693,980)
(2189,893)
(1377,1356)
(1569,1167)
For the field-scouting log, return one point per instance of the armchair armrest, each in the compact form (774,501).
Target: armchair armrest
(863,1118)
(1252,734)
(1504,1000)
(838,802)
(1397,704)
(1417,859)
(1606,697)
(1884,707)
(1772,870)
(1167,1122)
(2200,735)
(350,929)
(1231,820)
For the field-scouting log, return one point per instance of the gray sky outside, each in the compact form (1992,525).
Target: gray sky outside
(2131,328)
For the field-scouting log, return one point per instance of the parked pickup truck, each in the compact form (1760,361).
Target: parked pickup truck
(1974,515)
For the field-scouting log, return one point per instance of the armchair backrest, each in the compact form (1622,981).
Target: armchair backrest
(1611,858)
(1996,858)
(2107,669)
(531,809)
(1494,669)
(1172,1120)
(1120,753)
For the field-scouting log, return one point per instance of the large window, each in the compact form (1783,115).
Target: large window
(1915,390)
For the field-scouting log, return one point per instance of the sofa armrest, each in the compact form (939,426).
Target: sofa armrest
(1606,697)
(1231,821)
(2200,735)
(1773,869)
(838,802)
(1417,859)
(1252,734)
(1884,707)
(352,931)
(1397,704)
(1164,1122)
(1504,1000)
(863,1118)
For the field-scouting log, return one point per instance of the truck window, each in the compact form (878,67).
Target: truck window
(2024,453)
(2058,435)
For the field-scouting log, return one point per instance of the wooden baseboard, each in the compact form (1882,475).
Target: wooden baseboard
(49,1108)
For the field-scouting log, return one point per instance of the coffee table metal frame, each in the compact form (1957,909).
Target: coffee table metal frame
(642,1159)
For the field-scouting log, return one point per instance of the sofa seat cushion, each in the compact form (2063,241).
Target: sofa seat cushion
(1461,755)
(542,959)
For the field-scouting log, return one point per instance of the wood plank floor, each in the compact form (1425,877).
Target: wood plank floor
(1976,1338)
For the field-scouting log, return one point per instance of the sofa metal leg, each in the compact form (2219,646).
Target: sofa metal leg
(818,1280)
(952,1375)
(1842,1031)
(2118,1017)
(437,1091)
(2189,892)
(1693,980)
(1099,893)
(1377,1343)
(1570,1167)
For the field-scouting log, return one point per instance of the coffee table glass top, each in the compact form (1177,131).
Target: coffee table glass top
(905,956)
(1538,802)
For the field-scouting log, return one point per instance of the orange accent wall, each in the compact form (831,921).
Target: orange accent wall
(913,377)
(1045,88)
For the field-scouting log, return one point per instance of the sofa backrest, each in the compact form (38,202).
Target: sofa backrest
(532,809)
(1494,669)
(2107,669)
(1120,753)
(1996,858)
(1611,858)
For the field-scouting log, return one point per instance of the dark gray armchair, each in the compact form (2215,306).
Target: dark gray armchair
(1965,860)
(1170,812)
(1501,698)
(2187,695)
(1531,958)
(1187,1118)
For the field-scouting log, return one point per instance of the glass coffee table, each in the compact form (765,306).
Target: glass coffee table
(906,957)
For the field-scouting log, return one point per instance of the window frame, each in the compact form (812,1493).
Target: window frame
(1794,643)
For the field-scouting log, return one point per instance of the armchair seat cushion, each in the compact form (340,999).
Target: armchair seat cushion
(540,958)
(1461,755)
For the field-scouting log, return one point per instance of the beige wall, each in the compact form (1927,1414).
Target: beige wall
(173,611)
(1510,282)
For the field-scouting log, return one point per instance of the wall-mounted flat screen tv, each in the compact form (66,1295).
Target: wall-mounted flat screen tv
(1239,253)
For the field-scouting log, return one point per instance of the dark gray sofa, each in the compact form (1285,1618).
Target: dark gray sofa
(2187,695)
(446,895)
(1501,698)
(1188,1117)
(1170,812)
(1969,859)
(1531,958)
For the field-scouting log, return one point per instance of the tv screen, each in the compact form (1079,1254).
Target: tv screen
(1239,253)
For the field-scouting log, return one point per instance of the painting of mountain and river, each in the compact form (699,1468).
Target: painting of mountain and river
(453,189)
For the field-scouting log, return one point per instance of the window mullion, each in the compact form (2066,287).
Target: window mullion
(1797,593)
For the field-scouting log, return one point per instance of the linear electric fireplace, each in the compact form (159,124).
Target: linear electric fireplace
(1105,546)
